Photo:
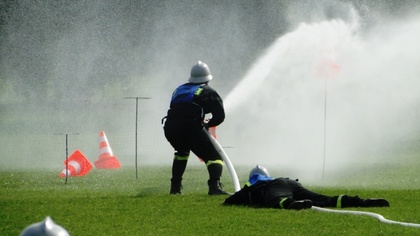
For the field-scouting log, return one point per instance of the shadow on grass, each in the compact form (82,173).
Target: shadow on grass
(149,191)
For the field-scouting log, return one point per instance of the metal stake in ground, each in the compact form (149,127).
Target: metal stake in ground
(137,114)
(328,69)
(325,129)
(67,152)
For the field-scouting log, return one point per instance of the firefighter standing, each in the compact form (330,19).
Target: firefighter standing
(186,131)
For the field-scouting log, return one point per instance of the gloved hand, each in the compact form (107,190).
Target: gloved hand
(206,120)
(206,125)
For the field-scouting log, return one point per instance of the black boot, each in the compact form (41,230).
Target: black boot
(375,202)
(301,204)
(178,169)
(215,187)
(292,204)
(176,186)
(348,201)
(215,171)
(356,201)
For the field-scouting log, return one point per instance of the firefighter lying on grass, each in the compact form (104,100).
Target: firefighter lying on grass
(262,190)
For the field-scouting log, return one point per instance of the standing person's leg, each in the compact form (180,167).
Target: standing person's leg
(215,169)
(204,148)
(179,165)
(179,141)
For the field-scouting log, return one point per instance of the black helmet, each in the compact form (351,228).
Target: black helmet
(200,73)
(259,170)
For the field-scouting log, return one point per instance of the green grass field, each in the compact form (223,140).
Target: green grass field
(114,202)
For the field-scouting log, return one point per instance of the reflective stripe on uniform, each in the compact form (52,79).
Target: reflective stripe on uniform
(181,158)
(281,202)
(220,162)
(339,201)
(199,90)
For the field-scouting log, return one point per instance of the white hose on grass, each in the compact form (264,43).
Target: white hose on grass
(227,162)
(374,215)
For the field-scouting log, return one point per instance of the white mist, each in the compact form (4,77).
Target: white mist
(286,115)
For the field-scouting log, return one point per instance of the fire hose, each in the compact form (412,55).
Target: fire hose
(227,161)
(374,215)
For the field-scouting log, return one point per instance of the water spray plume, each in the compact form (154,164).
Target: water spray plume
(254,77)
(285,94)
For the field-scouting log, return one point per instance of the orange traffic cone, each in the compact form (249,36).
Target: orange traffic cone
(77,165)
(106,159)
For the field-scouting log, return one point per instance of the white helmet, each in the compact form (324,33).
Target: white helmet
(200,73)
(45,228)
(259,170)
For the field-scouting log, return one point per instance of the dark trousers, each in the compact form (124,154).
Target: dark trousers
(187,137)
(191,138)
(283,187)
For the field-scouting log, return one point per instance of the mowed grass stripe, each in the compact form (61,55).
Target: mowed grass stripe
(113,202)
